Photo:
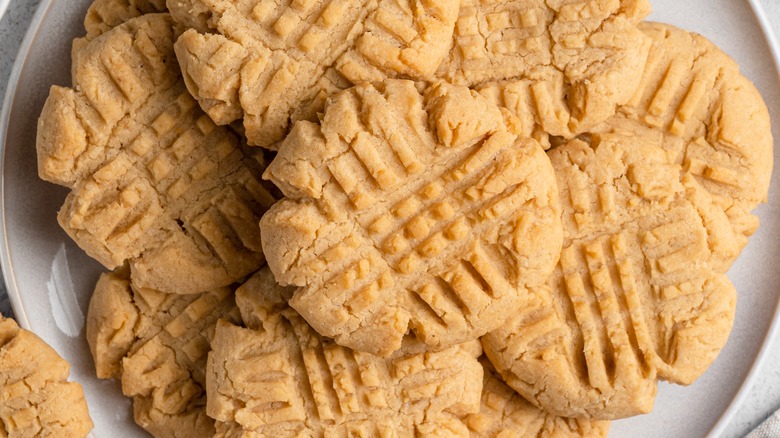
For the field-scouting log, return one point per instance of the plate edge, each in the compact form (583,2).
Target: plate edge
(10,92)
(774,329)
(4,7)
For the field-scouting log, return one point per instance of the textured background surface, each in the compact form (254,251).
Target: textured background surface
(764,397)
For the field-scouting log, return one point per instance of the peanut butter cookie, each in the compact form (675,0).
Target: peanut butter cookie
(504,413)
(279,378)
(259,60)
(639,293)
(154,181)
(36,399)
(694,94)
(410,211)
(104,15)
(157,345)
(559,67)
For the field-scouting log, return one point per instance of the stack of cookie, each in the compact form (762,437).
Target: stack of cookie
(401,218)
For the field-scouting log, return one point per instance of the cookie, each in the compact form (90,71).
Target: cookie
(278,377)
(505,414)
(157,344)
(410,211)
(37,400)
(639,293)
(694,93)
(559,68)
(259,60)
(153,180)
(104,15)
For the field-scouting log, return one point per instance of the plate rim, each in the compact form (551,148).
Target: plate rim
(6,264)
(773,334)
(4,7)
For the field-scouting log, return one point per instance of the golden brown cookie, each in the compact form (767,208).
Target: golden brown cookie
(157,345)
(559,67)
(279,378)
(36,399)
(695,94)
(505,414)
(154,181)
(104,15)
(259,60)
(639,292)
(410,211)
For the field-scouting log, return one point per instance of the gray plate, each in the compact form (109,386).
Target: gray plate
(50,279)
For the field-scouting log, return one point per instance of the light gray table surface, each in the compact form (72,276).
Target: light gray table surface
(764,397)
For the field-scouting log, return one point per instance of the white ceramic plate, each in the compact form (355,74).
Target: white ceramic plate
(3,7)
(50,279)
